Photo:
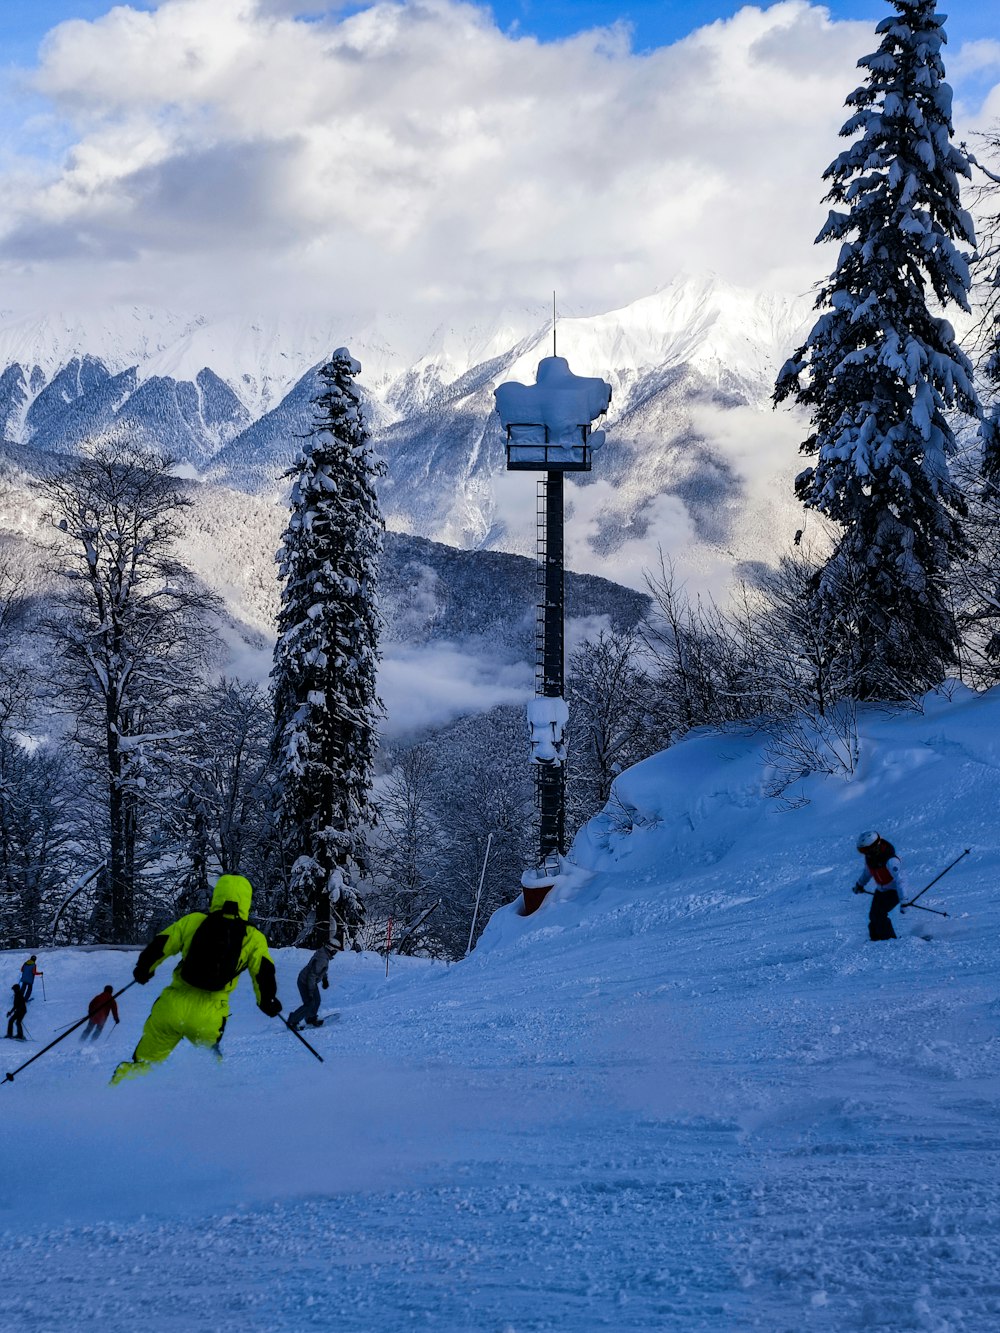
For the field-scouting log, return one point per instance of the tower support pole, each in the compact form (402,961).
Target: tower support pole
(550,781)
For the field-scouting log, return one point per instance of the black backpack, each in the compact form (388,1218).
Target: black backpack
(213,960)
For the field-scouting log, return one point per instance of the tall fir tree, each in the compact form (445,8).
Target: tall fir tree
(326,706)
(879,369)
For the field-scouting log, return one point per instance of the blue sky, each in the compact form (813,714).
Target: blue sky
(654,22)
(25,22)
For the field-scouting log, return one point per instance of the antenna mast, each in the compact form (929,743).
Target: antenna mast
(553,323)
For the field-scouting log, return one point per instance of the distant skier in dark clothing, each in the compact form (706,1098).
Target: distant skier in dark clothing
(313,975)
(97,1013)
(16,1013)
(29,971)
(881,866)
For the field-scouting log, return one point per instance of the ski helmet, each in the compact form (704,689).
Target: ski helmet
(867,840)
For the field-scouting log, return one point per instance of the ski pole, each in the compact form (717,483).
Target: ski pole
(45,998)
(9,1078)
(919,906)
(296,1033)
(417,924)
(479,894)
(937,877)
(77,887)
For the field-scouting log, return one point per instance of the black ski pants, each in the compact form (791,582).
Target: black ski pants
(10,1026)
(879,925)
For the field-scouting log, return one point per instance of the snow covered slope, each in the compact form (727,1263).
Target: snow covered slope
(688,1094)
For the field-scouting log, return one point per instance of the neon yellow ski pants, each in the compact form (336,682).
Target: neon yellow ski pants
(179,1011)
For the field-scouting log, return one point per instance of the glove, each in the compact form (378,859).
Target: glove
(858,888)
(141,975)
(902,909)
(326,984)
(271,1006)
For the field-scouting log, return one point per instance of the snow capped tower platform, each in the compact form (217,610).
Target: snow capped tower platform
(548,423)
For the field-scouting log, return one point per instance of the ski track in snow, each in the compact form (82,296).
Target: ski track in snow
(689,1095)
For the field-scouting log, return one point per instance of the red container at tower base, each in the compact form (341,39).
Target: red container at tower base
(533,899)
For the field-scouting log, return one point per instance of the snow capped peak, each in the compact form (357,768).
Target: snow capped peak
(120,336)
(260,358)
(455,349)
(698,320)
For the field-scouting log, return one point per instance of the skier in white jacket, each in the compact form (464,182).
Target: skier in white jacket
(881,865)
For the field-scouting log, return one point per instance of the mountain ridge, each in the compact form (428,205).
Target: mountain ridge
(683,363)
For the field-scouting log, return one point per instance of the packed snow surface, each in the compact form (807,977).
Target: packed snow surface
(687,1094)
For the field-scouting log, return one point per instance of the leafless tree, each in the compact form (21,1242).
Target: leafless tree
(409,842)
(612,719)
(129,626)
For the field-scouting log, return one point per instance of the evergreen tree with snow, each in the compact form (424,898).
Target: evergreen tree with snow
(326,707)
(880,368)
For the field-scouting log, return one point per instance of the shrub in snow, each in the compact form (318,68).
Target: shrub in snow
(810,743)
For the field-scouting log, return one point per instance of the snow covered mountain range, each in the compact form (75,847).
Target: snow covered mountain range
(690,436)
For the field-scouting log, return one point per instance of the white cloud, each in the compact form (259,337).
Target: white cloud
(972,57)
(757,449)
(433,684)
(412,155)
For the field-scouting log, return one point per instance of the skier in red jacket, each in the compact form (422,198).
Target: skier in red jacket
(881,865)
(97,1013)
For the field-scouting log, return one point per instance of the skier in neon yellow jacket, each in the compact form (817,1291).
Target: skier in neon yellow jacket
(215,948)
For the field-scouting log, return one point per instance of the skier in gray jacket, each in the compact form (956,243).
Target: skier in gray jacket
(313,975)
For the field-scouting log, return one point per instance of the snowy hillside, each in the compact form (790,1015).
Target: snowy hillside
(687,1094)
(459,625)
(692,439)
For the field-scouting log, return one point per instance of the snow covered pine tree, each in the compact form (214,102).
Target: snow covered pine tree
(878,370)
(326,708)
